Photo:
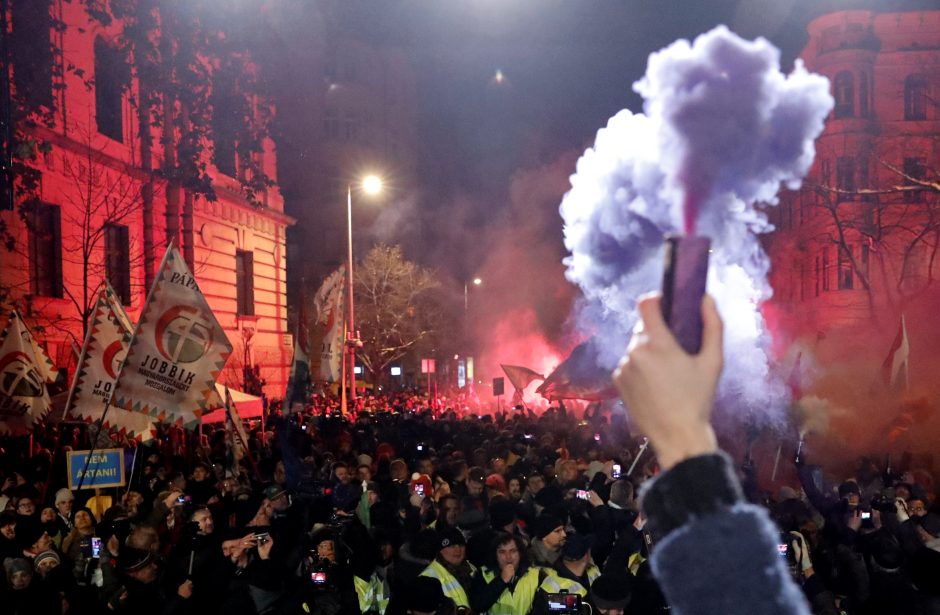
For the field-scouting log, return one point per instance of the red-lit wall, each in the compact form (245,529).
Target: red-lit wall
(814,306)
(210,231)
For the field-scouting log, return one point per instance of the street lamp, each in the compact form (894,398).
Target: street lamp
(371,184)
(476,282)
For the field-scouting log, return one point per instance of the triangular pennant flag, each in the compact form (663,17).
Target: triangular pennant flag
(896,368)
(106,341)
(329,305)
(177,352)
(579,377)
(520,377)
(25,374)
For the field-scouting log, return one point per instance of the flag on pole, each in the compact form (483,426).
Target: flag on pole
(25,375)
(236,428)
(521,377)
(579,377)
(99,363)
(299,384)
(177,352)
(896,367)
(329,305)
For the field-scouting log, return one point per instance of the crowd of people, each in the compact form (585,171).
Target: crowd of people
(401,508)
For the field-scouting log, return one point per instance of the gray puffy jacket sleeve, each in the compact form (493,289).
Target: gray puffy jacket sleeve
(714,553)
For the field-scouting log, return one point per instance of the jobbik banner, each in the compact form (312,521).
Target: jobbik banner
(25,374)
(177,352)
(329,303)
(106,342)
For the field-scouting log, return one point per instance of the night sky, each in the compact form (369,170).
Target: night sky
(569,65)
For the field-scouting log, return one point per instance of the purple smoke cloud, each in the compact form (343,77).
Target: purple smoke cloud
(722,129)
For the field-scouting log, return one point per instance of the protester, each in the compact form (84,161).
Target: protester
(414,505)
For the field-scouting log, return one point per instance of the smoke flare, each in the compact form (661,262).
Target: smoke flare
(722,129)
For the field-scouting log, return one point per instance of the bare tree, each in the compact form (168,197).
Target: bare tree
(396,307)
(96,196)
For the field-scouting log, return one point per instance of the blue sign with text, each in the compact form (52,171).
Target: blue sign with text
(104,469)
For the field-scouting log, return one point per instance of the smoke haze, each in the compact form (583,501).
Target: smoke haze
(722,129)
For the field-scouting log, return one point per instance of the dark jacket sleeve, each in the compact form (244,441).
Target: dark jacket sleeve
(715,553)
(483,595)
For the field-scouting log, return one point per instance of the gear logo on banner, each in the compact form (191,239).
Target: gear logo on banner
(183,335)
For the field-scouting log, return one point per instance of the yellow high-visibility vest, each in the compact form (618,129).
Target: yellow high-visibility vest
(555,583)
(449,583)
(371,594)
(518,602)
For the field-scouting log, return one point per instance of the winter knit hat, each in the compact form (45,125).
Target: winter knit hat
(849,486)
(63,495)
(12,565)
(49,554)
(545,524)
(611,591)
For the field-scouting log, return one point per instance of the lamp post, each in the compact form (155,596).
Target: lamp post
(476,282)
(371,184)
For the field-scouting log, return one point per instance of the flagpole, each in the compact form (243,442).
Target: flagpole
(107,406)
(78,364)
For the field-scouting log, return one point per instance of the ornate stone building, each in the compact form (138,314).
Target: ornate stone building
(858,245)
(111,195)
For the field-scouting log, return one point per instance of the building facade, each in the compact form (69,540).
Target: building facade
(857,246)
(110,192)
(358,98)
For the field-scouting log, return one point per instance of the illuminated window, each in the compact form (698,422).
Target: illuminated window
(244,283)
(45,250)
(915,97)
(117,261)
(844,95)
(111,76)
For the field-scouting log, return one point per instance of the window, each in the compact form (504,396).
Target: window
(915,97)
(866,256)
(117,255)
(31,52)
(111,76)
(45,250)
(915,168)
(244,283)
(846,281)
(825,269)
(825,171)
(844,95)
(864,107)
(225,123)
(845,174)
